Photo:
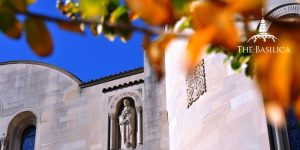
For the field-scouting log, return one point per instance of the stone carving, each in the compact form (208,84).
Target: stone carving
(134,95)
(196,83)
(127,126)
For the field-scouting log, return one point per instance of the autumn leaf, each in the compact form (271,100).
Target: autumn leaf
(9,24)
(247,7)
(155,51)
(228,35)
(196,45)
(208,14)
(30,2)
(19,5)
(71,26)
(38,36)
(154,12)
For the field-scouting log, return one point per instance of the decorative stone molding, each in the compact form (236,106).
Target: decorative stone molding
(196,83)
(115,106)
(292,8)
(115,99)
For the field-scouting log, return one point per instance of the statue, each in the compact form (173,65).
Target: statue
(127,126)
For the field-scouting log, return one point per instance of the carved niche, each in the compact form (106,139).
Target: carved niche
(196,83)
(125,113)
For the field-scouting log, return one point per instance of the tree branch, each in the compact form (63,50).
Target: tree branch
(148,31)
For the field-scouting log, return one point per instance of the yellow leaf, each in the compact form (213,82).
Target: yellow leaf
(94,8)
(38,36)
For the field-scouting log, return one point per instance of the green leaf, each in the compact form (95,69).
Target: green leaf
(185,24)
(117,14)
(236,63)
(179,4)
(38,36)
(9,24)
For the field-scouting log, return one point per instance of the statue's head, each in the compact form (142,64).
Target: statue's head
(126,102)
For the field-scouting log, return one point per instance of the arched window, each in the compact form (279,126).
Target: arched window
(22,132)
(28,138)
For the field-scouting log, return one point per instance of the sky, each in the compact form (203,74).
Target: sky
(86,56)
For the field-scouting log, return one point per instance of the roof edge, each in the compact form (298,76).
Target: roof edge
(112,77)
(72,76)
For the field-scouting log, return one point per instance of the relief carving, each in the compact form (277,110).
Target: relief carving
(134,95)
(196,83)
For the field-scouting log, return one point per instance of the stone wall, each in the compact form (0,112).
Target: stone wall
(68,117)
(228,116)
(156,127)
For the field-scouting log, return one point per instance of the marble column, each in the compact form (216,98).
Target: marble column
(112,142)
(139,124)
(3,142)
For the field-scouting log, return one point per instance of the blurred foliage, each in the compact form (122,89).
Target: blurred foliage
(213,23)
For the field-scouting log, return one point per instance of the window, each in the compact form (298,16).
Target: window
(22,132)
(28,138)
(293,130)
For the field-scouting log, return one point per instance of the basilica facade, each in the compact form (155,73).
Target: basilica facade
(43,107)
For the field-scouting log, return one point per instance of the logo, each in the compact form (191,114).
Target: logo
(263,42)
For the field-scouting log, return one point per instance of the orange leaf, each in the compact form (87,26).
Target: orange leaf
(156,52)
(247,7)
(228,35)
(204,14)
(154,12)
(196,44)
(10,25)
(38,36)
(73,27)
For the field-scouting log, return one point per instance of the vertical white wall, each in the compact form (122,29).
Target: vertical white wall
(228,116)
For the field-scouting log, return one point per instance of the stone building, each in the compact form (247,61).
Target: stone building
(47,108)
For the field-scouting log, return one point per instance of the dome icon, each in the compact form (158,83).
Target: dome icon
(263,35)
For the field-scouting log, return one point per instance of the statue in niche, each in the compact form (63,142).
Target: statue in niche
(127,126)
